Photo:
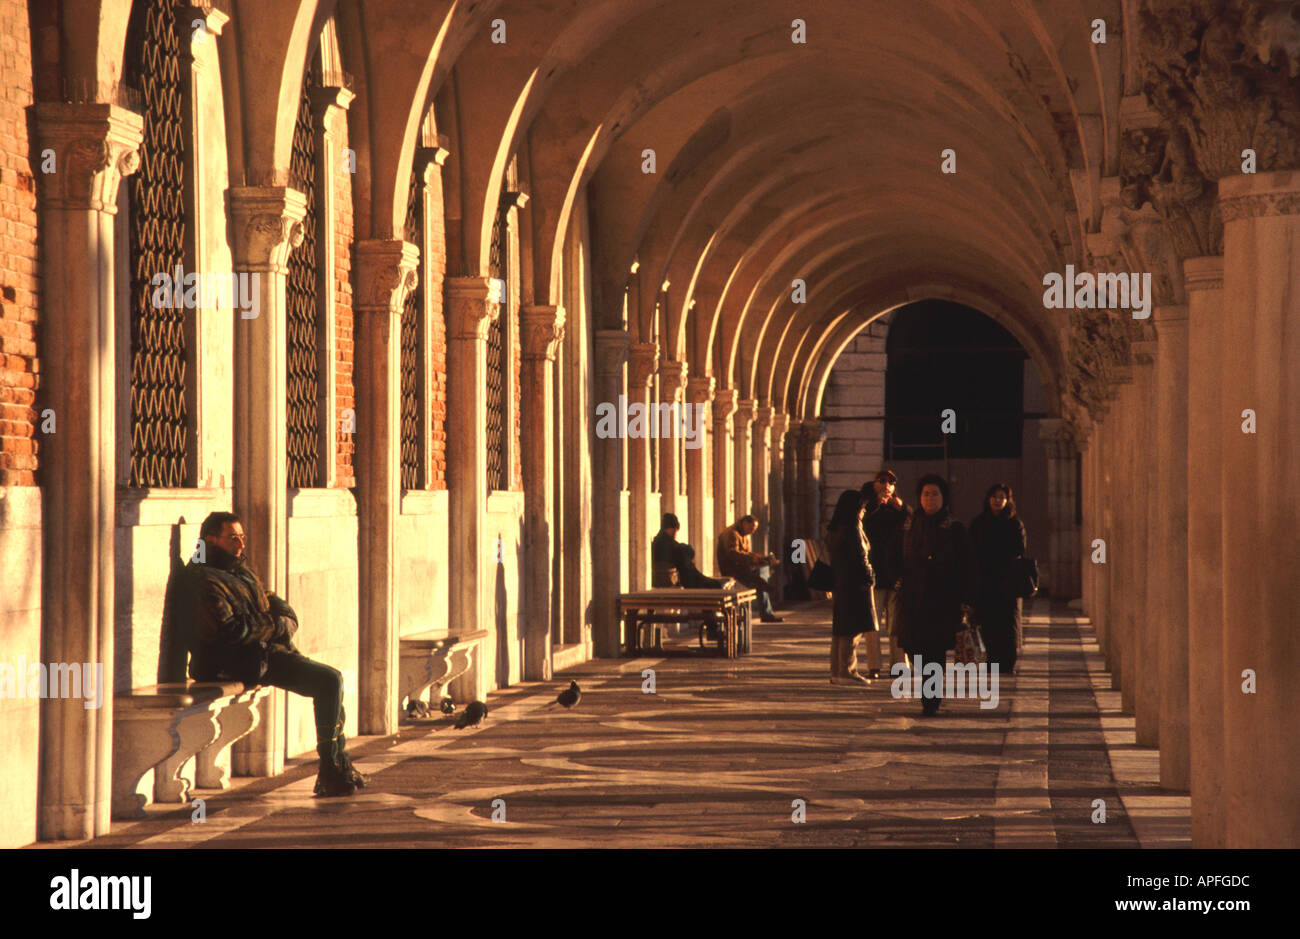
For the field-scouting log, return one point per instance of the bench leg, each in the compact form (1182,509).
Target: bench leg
(195,728)
(237,719)
(141,741)
(261,752)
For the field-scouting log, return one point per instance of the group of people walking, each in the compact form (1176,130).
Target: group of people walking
(920,575)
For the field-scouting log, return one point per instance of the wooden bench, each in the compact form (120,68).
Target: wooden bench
(171,738)
(677,605)
(430,660)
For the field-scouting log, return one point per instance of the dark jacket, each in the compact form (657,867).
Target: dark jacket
(688,575)
(882,525)
(996,541)
(663,558)
(932,557)
(852,609)
(235,620)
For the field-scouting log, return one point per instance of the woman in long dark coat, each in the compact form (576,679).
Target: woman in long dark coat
(932,557)
(853,612)
(997,538)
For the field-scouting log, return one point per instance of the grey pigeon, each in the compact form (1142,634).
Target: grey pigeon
(448,706)
(473,715)
(570,696)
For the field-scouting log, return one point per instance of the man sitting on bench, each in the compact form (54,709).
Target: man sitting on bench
(243,632)
(735,559)
(667,554)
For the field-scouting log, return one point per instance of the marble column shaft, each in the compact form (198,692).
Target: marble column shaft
(542,332)
(699,392)
(725,512)
(384,274)
(642,359)
(610,540)
(95,147)
(1204,547)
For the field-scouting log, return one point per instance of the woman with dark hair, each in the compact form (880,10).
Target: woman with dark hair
(932,559)
(997,538)
(885,515)
(853,612)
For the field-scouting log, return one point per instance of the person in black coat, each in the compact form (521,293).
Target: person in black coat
(853,612)
(886,513)
(932,558)
(997,538)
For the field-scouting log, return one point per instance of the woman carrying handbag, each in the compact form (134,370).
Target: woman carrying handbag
(998,541)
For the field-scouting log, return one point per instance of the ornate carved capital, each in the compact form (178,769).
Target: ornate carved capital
(763,417)
(642,357)
(1226,76)
(746,408)
(724,404)
(672,380)
(472,304)
(385,274)
(543,331)
(95,146)
(268,225)
(699,390)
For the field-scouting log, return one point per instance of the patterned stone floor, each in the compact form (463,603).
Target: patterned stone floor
(718,756)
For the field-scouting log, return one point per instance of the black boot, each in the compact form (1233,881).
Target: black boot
(333,781)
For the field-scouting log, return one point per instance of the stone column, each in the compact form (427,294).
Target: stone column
(385,273)
(1062,540)
(1261,504)
(1087,489)
(95,146)
(266,224)
(760,473)
(699,393)
(812,434)
(777,500)
(741,423)
(1168,555)
(472,303)
(1119,551)
(610,540)
(1145,619)
(672,391)
(1204,547)
(724,406)
(543,330)
(641,360)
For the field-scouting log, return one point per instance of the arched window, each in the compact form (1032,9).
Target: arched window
(497,372)
(412,340)
(160,425)
(302,307)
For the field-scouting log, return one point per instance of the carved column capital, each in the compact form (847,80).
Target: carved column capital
(543,331)
(268,225)
(699,390)
(763,416)
(724,404)
(473,303)
(672,380)
(95,146)
(642,357)
(746,408)
(385,274)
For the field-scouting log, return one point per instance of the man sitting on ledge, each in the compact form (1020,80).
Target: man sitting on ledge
(243,632)
(735,559)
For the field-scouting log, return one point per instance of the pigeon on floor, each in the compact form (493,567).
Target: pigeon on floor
(448,706)
(473,715)
(570,696)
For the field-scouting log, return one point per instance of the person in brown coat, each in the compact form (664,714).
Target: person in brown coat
(737,560)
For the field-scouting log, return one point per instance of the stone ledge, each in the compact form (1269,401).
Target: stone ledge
(137,507)
(322,503)
(424,502)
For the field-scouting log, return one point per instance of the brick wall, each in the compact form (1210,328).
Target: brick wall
(854,408)
(19,280)
(345,396)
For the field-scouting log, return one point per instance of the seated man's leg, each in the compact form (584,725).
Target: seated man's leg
(759,581)
(294,672)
